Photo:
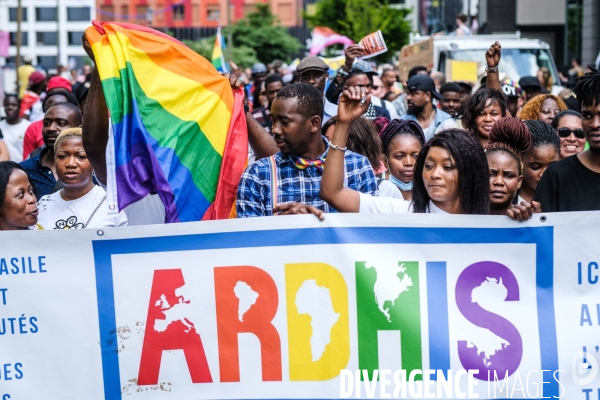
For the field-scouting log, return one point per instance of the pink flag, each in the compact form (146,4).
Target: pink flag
(323,37)
(4,43)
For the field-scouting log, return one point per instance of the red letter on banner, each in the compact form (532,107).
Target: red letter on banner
(252,315)
(167,328)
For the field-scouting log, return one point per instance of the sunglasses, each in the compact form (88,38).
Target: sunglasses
(375,87)
(566,132)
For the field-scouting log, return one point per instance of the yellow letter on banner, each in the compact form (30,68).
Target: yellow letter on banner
(318,328)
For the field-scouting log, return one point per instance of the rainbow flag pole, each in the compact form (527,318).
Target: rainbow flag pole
(218,57)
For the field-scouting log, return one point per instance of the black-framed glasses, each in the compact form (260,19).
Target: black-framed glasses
(566,132)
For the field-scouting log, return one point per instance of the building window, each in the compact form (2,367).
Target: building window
(77,62)
(125,13)
(196,13)
(178,13)
(24,39)
(48,62)
(141,14)
(46,38)
(45,14)
(78,14)
(12,14)
(213,13)
(107,13)
(75,38)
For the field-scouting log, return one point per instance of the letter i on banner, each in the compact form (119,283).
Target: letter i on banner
(387,298)
(162,334)
(318,327)
(258,288)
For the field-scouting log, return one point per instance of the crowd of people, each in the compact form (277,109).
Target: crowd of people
(358,142)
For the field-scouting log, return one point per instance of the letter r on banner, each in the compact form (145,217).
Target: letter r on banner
(167,329)
(247,301)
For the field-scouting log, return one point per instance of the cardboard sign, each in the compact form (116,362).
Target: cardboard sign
(461,71)
(414,55)
(373,44)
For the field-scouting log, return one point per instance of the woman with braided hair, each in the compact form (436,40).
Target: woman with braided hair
(509,140)
(18,209)
(363,139)
(543,152)
(401,142)
(543,107)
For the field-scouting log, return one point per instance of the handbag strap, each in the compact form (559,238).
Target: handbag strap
(94,213)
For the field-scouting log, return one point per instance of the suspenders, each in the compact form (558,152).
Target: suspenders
(274,193)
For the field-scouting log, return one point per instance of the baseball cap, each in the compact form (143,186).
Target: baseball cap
(27,60)
(58,82)
(312,63)
(259,68)
(365,67)
(423,83)
(511,88)
(530,81)
(36,78)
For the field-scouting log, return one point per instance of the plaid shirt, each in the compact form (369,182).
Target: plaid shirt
(293,184)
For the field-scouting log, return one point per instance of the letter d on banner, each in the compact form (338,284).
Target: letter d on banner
(318,328)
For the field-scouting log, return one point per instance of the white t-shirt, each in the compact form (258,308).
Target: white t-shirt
(13,138)
(388,189)
(57,213)
(387,205)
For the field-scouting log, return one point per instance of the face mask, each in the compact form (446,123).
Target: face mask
(403,186)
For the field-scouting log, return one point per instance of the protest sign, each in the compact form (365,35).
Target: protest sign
(457,70)
(222,310)
(414,55)
(373,44)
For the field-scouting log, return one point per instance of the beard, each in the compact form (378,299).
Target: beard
(414,109)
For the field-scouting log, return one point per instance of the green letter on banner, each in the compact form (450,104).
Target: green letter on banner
(388,299)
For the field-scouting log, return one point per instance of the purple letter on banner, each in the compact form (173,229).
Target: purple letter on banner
(509,357)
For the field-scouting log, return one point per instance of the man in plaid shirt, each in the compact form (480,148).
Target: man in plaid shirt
(297,112)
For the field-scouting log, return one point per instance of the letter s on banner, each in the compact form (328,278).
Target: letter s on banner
(507,359)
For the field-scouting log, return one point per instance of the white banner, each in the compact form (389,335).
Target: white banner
(426,306)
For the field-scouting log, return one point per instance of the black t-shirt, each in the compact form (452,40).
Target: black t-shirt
(568,185)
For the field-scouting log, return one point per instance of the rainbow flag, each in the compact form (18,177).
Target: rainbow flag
(218,59)
(178,129)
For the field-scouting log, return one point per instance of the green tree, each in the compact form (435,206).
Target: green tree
(358,18)
(260,31)
(243,56)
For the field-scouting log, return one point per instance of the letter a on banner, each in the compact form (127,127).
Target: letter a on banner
(167,329)
(318,327)
(247,301)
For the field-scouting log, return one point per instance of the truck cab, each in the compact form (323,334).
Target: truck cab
(520,57)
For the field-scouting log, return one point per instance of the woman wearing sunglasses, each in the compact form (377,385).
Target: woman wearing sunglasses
(568,126)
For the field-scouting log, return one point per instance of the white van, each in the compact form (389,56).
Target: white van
(520,57)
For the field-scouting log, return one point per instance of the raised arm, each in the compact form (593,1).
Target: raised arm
(352,104)
(262,143)
(95,123)
(492,58)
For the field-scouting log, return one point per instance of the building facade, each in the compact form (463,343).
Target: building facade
(51,30)
(191,13)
